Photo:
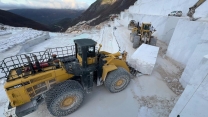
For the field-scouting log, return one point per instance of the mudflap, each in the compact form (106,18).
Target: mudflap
(22,110)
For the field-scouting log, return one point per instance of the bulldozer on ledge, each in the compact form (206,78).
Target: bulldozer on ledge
(61,77)
(132,24)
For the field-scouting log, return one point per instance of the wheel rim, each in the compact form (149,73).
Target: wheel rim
(120,83)
(68,102)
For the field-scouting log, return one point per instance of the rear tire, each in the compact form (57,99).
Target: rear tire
(65,98)
(136,42)
(117,80)
(150,38)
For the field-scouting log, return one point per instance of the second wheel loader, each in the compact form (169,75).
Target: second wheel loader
(61,77)
(140,35)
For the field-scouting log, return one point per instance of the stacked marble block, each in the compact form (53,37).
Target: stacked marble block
(144,59)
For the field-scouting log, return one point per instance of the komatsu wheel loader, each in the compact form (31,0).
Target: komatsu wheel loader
(61,77)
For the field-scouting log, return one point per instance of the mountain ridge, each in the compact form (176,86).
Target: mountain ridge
(47,16)
(12,19)
(103,8)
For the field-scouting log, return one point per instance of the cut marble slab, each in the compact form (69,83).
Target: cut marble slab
(144,58)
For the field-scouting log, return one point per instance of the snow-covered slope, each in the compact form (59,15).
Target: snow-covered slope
(11,38)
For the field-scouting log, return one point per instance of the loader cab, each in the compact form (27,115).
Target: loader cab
(146,26)
(85,51)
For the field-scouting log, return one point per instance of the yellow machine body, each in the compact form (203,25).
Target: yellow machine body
(22,90)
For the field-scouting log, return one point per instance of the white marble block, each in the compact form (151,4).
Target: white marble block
(144,58)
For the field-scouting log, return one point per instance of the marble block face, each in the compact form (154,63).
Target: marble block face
(144,58)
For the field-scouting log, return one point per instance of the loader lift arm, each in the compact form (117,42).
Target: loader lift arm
(193,8)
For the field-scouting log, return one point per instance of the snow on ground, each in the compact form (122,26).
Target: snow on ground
(122,36)
(4,33)
(108,41)
(7,43)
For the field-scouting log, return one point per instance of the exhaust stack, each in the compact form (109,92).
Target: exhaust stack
(37,63)
(30,65)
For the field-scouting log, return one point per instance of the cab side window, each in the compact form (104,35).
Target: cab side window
(79,50)
(91,51)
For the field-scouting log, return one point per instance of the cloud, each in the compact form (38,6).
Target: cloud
(36,4)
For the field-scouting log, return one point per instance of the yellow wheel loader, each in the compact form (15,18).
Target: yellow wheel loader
(140,35)
(61,77)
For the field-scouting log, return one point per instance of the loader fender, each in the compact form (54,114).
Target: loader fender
(106,69)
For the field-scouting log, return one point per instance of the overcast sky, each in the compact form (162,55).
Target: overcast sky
(58,4)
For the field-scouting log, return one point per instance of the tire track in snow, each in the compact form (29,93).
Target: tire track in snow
(108,40)
(102,35)
(116,41)
(124,43)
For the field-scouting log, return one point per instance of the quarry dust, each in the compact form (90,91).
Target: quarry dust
(160,106)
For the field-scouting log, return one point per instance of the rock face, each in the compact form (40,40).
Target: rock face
(191,44)
(102,9)
(193,101)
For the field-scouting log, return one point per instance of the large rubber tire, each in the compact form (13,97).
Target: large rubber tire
(64,98)
(132,35)
(136,42)
(119,76)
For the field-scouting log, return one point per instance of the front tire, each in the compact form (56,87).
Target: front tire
(117,80)
(136,42)
(65,98)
